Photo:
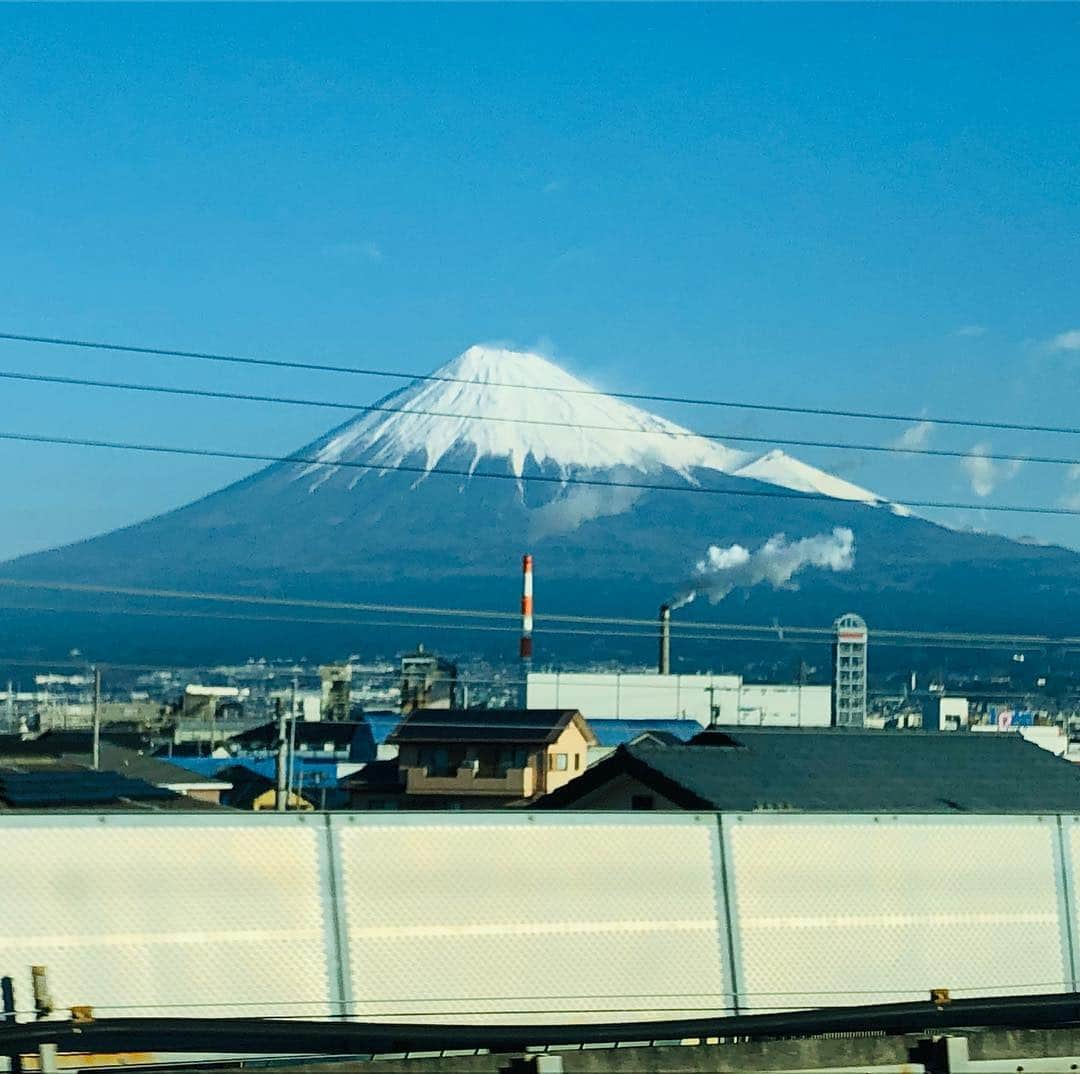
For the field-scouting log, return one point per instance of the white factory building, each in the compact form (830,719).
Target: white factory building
(723,699)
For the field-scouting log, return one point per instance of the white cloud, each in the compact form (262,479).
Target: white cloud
(554,186)
(971,331)
(777,561)
(914,437)
(985,474)
(1070,497)
(1066,341)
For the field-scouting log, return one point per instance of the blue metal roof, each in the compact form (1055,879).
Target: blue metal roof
(382,724)
(616,732)
(315,773)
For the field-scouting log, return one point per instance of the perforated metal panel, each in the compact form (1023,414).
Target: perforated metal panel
(837,910)
(179,915)
(532,917)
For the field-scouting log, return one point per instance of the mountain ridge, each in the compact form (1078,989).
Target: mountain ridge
(324,531)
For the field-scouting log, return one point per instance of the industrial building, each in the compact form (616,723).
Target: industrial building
(427,682)
(707,698)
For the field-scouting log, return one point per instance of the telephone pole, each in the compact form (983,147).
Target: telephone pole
(281,798)
(97,717)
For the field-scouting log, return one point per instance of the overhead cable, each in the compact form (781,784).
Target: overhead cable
(164,352)
(687,631)
(379,408)
(548,479)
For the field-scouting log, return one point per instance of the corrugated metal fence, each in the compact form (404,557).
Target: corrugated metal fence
(527,917)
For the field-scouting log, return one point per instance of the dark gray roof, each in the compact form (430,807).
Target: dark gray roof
(463,726)
(75,788)
(381,776)
(310,734)
(844,771)
(247,785)
(66,748)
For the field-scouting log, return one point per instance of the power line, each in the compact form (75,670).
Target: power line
(330,404)
(548,479)
(693,631)
(317,367)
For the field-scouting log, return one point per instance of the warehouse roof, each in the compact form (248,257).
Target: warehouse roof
(842,771)
(616,732)
(520,726)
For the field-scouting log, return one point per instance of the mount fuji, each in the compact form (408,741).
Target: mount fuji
(430,496)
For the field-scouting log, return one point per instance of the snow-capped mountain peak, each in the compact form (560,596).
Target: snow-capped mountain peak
(510,407)
(513,405)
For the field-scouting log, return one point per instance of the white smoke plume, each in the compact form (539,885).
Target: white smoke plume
(777,562)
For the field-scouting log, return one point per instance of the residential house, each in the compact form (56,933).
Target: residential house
(252,790)
(63,750)
(71,788)
(828,770)
(478,758)
(323,740)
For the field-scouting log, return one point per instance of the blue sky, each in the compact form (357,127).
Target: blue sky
(845,206)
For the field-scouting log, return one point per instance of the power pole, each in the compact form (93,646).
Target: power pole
(97,718)
(281,799)
(292,738)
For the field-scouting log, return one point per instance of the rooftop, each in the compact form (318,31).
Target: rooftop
(843,771)
(83,789)
(310,735)
(520,726)
(56,749)
(616,732)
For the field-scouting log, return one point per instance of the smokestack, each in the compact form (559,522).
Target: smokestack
(526,608)
(665,640)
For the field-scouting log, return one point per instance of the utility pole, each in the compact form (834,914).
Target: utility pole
(292,738)
(281,799)
(97,717)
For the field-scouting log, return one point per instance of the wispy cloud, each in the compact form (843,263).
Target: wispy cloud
(1065,341)
(986,474)
(363,250)
(554,186)
(914,437)
(1070,496)
(971,331)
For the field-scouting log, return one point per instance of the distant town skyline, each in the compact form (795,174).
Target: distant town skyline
(849,207)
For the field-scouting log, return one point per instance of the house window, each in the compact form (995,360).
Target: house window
(577,762)
(558,762)
(642,801)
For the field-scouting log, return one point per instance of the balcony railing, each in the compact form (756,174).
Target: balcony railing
(518,782)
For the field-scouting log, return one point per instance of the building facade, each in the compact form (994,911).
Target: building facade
(476,759)
(849,671)
(706,699)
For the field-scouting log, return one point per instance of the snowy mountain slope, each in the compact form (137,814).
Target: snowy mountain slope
(778,468)
(517,407)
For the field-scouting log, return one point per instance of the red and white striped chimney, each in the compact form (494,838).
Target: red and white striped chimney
(526,607)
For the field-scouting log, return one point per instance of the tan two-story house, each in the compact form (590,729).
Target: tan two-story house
(478,758)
